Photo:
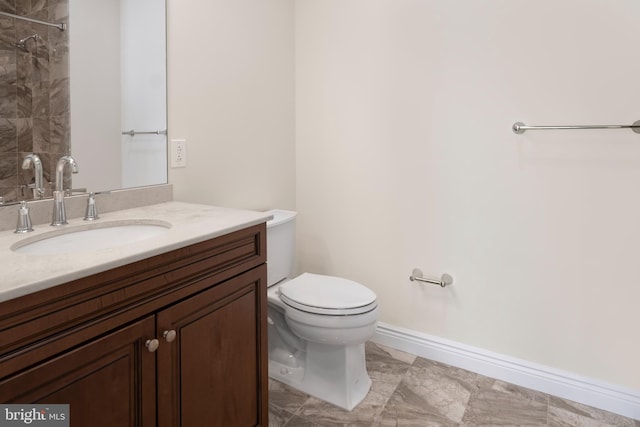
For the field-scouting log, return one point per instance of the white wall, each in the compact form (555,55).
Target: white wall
(94,61)
(405,158)
(231,84)
(143,51)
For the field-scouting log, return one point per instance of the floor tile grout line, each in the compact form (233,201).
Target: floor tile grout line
(548,409)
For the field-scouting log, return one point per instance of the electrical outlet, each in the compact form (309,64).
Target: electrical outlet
(178,153)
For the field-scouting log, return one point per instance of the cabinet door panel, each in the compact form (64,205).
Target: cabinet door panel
(212,373)
(108,382)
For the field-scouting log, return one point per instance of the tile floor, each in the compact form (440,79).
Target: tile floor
(412,391)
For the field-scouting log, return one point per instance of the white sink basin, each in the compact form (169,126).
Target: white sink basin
(91,237)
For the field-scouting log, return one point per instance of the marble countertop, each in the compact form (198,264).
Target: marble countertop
(22,274)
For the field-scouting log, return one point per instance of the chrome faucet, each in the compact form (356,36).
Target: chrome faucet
(33,159)
(24,219)
(91,212)
(59,213)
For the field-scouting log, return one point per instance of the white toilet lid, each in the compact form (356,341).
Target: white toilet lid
(320,294)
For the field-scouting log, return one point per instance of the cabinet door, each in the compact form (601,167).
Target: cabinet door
(214,372)
(107,382)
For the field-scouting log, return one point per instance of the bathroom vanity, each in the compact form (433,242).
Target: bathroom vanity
(166,332)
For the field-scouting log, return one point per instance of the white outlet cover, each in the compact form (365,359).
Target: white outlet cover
(178,153)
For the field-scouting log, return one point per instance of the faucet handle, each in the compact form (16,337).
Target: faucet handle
(91,212)
(24,219)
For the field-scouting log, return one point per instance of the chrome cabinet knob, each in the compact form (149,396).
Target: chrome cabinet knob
(152,345)
(169,336)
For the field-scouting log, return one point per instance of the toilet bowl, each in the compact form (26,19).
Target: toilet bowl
(317,324)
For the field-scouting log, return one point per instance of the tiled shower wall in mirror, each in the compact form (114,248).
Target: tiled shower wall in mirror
(34,93)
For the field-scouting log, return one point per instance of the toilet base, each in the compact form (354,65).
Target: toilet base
(335,374)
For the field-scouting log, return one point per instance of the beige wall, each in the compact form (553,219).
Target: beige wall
(230,94)
(405,158)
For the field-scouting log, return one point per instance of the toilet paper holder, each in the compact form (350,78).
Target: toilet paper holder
(445,279)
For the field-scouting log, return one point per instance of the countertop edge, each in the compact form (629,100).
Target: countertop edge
(233,220)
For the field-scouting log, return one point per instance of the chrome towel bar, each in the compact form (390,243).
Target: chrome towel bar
(520,127)
(445,279)
(61,26)
(151,132)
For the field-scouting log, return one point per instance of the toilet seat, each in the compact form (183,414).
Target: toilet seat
(327,295)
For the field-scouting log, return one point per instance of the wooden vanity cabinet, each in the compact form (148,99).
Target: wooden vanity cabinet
(178,339)
(219,326)
(108,382)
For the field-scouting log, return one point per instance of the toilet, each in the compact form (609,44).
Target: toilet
(317,324)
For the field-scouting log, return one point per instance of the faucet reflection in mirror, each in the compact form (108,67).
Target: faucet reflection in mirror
(59,212)
(34,96)
(38,187)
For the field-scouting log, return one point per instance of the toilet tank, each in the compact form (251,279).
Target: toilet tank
(281,242)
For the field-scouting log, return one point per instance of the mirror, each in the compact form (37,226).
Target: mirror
(81,91)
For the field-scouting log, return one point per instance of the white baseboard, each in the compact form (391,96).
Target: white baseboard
(588,391)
